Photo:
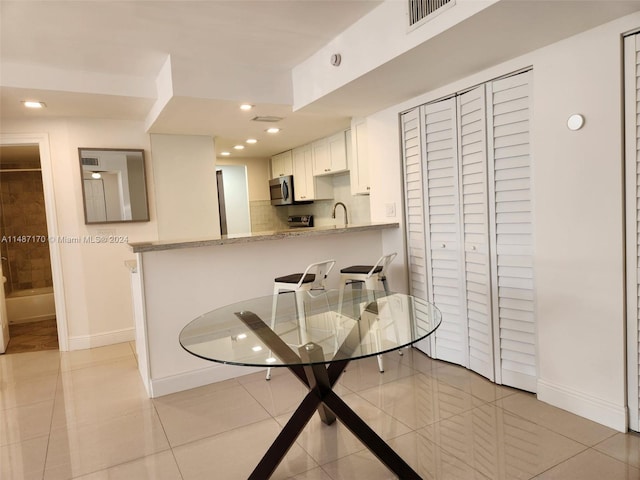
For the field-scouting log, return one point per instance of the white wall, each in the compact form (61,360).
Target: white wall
(578,198)
(184,171)
(93,274)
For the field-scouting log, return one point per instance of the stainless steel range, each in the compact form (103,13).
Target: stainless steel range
(300,221)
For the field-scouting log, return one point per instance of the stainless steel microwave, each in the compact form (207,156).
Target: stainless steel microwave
(281,191)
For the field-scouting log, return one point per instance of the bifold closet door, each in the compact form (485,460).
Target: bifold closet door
(445,272)
(414,209)
(468,193)
(632,165)
(511,221)
(472,155)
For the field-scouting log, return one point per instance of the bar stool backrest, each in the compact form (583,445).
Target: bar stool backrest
(321,271)
(383,262)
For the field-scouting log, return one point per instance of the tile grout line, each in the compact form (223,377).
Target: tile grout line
(53,408)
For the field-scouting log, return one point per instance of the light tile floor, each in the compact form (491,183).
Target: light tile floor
(85,415)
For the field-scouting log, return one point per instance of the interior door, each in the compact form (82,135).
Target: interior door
(4,321)
(632,165)
(511,221)
(445,273)
(472,145)
(415,209)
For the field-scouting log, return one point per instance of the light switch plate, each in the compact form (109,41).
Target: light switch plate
(391,209)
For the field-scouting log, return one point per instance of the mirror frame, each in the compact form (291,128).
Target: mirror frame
(140,151)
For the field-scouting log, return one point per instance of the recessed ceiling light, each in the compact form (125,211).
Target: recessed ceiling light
(32,104)
(225,154)
(239,147)
(96,175)
(252,140)
(273,130)
(246,106)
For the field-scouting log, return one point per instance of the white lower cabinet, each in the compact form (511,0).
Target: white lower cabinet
(469,227)
(306,187)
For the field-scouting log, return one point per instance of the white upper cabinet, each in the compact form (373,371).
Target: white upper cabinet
(306,187)
(359,161)
(330,155)
(282,164)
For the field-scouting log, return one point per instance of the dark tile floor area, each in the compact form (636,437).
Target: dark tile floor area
(33,336)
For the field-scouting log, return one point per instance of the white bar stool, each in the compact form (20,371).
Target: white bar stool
(313,278)
(370,275)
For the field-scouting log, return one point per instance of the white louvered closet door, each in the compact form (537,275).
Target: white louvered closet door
(445,275)
(511,220)
(414,209)
(472,154)
(632,162)
(414,202)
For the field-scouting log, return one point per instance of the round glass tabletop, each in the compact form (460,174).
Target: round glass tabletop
(272,331)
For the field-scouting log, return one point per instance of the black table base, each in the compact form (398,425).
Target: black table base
(320,380)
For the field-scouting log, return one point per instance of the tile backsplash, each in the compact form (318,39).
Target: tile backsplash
(265,217)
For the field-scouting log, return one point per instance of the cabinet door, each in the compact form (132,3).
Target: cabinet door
(321,159)
(306,186)
(472,154)
(359,168)
(509,101)
(282,164)
(445,274)
(302,180)
(337,153)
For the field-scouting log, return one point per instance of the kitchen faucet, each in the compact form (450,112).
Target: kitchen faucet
(333,215)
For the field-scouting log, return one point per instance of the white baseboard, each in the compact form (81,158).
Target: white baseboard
(601,411)
(197,378)
(82,342)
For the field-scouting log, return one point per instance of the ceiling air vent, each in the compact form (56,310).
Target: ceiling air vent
(91,162)
(421,9)
(266,118)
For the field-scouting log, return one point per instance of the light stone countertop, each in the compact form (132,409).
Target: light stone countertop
(141,247)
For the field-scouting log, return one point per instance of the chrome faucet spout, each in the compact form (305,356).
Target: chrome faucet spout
(346,217)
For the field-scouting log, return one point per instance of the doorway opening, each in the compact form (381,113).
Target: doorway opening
(41,141)
(24,248)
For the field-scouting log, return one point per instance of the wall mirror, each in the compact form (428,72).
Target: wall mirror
(114,187)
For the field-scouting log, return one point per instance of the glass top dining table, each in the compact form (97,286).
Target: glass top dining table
(385,322)
(314,334)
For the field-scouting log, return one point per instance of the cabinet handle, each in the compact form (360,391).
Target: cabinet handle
(327,169)
(443,245)
(368,188)
(473,248)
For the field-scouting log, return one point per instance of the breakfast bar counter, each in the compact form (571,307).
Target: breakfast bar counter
(258,236)
(176,281)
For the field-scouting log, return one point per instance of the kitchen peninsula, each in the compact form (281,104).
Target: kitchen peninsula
(174,282)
